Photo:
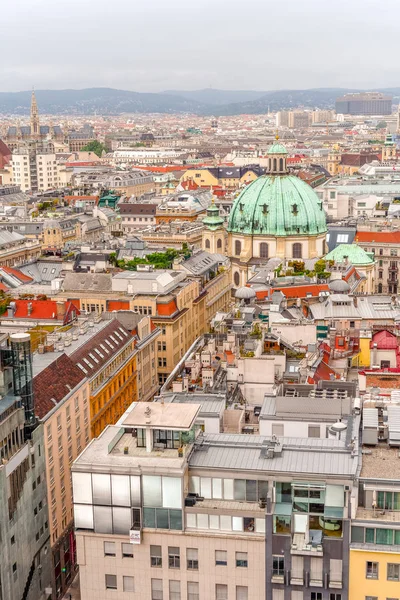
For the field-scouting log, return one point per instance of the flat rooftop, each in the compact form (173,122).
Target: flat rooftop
(381,462)
(156,415)
(115,451)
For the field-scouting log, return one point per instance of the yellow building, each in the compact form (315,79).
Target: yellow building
(374,574)
(231,177)
(108,359)
(374,563)
(57,232)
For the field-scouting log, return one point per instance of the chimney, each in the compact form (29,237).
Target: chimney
(61,309)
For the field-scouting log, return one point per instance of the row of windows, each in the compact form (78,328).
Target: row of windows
(297,250)
(208,244)
(370,535)
(192,558)
(392,571)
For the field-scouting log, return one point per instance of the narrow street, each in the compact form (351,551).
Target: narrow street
(73,592)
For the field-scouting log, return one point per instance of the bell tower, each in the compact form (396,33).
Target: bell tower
(277,158)
(35,126)
(214,234)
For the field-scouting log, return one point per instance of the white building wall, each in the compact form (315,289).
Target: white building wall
(295,334)
(298,429)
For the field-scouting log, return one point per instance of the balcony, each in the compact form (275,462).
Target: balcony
(378,514)
(306,545)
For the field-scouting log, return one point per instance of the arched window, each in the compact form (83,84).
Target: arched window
(275,164)
(380,288)
(236,278)
(263,250)
(219,243)
(208,245)
(297,251)
(238,248)
(281,164)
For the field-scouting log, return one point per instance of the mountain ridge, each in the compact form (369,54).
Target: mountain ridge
(109,101)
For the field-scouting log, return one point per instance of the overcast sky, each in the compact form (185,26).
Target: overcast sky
(153,45)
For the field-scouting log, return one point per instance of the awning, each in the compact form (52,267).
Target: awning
(333,512)
(334,496)
(283,509)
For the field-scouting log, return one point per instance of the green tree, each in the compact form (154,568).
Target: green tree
(94,146)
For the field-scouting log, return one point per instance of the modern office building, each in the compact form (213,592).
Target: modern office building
(163,510)
(364,103)
(25,565)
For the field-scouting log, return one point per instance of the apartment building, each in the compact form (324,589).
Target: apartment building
(108,359)
(202,515)
(35,168)
(25,566)
(16,249)
(178,305)
(145,336)
(375,531)
(136,215)
(61,400)
(385,246)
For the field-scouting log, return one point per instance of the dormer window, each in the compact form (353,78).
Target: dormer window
(265,209)
(295,209)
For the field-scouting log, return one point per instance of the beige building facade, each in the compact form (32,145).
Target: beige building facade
(61,396)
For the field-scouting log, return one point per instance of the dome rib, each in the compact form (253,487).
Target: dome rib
(280,193)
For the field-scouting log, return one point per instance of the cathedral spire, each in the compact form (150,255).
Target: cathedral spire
(35,128)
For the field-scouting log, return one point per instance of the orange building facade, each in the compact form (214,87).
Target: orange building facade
(109,362)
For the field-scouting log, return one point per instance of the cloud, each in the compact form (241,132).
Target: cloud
(164,44)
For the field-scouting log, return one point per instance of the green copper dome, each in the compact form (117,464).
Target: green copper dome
(351,252)
(277,205)
(213,220)
(277,148)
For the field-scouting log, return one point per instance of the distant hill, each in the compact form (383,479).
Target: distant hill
(95,100)
(284,99)
(108,101)
(218,97)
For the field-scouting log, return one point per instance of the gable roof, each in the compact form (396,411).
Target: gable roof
(54,383)
(93,355)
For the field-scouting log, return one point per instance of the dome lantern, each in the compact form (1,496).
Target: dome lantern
(277,158)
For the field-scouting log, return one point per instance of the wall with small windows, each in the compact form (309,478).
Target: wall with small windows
(169,566)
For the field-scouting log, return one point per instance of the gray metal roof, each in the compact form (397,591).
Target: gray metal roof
(370,418)
(203,261)
(212,405)
(394,425)
(100,282)
(307,456)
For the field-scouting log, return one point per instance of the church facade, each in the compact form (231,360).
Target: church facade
(277,215)
(35,132)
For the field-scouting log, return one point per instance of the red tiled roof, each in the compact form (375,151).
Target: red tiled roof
(167,308)
(323,373)
(55,382)
(384,340)
(41,309)
(102,346)
(3,287)
(295,291)
(21,276)
(380,237)
(118,305)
